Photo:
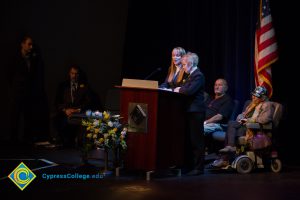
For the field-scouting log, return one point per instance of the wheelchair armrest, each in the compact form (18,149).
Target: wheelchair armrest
(258,126)
(242,140)
(253,125)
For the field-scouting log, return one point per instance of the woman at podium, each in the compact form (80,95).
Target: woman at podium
(175,72)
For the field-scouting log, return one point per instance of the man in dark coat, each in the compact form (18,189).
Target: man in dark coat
(27,101)
(193,87)
(72,96)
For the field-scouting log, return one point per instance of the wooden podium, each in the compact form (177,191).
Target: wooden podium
(159,143)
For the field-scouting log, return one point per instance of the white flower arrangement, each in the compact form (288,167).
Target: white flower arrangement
(104,131)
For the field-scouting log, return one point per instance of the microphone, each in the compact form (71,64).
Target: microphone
(152,73)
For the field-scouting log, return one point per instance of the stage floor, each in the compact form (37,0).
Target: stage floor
(60,174)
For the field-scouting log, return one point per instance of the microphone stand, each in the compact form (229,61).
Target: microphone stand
(152,73)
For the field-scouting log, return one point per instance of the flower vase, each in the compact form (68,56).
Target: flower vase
(105,160)
(85,149)
(116,157)
(106,170)
(84,157)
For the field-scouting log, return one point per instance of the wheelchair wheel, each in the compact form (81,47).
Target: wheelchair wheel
(276,165)
(244,165)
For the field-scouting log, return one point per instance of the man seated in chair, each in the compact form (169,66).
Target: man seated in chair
(72,96)
(219,109)
(260,110)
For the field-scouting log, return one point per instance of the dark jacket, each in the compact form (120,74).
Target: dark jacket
(26,76)
(82,97)
(175,82)
(193,87)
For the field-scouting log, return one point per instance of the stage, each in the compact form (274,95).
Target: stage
(61,174)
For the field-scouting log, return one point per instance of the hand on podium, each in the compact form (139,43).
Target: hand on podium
(166,89)
(177,89)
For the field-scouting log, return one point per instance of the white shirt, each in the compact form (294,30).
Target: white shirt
(192,70)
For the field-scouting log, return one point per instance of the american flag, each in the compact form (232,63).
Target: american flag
(266,51)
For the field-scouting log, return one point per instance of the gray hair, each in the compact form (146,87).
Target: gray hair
(194,58)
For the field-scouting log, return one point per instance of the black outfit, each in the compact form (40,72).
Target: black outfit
(69,95)
(27,99)
(174,82)
(222,105)
(193,87)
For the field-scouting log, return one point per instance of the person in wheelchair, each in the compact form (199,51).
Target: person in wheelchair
(259,110)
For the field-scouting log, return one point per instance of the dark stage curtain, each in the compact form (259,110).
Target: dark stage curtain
(221,32)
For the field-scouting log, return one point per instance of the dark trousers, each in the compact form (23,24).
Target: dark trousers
(69,133)
(20,110)
(32,110)
(234,130)
(195,148)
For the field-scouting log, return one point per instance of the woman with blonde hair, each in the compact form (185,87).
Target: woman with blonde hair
(175,73)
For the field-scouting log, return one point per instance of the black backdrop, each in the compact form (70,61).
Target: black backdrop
(221,32)
(131,38)
(87,33)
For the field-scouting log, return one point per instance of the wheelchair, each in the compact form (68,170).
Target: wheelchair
(259,153)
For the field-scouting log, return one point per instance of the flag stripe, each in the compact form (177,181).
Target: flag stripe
(267,34)
(267,51)
(268,60)
(266,20)
(267,43)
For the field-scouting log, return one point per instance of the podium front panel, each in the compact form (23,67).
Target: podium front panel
(161,145)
